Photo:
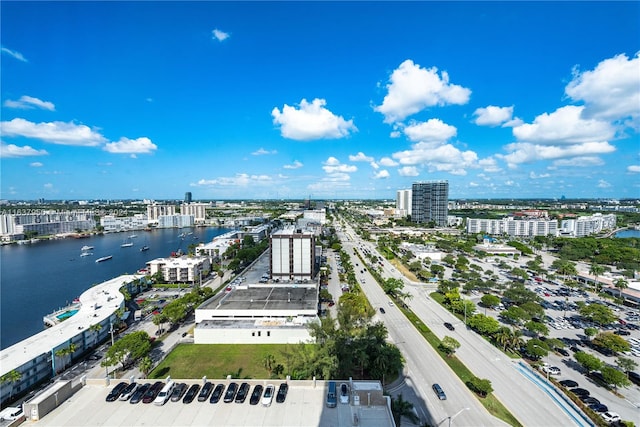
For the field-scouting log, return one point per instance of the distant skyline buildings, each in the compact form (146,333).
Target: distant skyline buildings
(403,202)
(430,202)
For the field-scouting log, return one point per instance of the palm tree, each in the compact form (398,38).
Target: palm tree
(503,337)
(11,377)
(621,284)
(403,408)
(269,362)
(596,270)
(146,364)
(96,328)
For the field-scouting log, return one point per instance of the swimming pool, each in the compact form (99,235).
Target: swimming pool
(66,315)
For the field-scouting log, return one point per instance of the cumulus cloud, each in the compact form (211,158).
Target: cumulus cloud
(219,35)
(141,145)
(333,165)
(388,162)
(36,164)
(408,171)
(54,132)
(442,158)
(493,116)
(412,89)
(11,150)
(28,102)
(534,175)
(633,169)
(382,174)
(580,161)
(262,152)
(16,55)
(603,184)
(239,180)
(611,91)
(311,121)
(489,165)
(527,153)
(295,165)
(360,157)
(433,130)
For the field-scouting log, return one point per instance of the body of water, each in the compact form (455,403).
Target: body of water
(628,233)
(40,278)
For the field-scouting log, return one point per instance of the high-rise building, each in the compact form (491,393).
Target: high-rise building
(187,197)
(293,254)
(429,202)
(403,202)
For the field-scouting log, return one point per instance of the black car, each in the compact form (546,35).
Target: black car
(381,310)
(588,400)
(282,392)
(217,393)
(243,391)
(140,391)
(116,391)
(178,391)
(152,392)
(598,407)
(256,395)
(439,392)
(569,383)
(231,392)
(621,332)
(449,326)
(205,392)
(634,377)
(597,376)
(191,393)
(580,392)
(562,351)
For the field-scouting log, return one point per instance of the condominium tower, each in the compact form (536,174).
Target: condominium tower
(429,202)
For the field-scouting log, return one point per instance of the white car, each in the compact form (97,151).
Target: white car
(552,370)
(344,393)
(610,417)
(267,397)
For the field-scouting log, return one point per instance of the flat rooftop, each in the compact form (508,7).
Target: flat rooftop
(265,297)
(303,407)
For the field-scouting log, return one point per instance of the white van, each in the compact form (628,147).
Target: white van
(11,413)
(164,394)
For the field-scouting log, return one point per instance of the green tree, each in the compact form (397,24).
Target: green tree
(588,361)
(449,345)
(621,285)
(590,332)
(402,408)
(612,342)
(490,301)
(484,325)
(269,363)
(480,386)
(626,364)
(537,328)
(515,315)
(12,377)
(596,270)
(598,313)
(536,348)
(614,377)
(146,365)
(392,286)
(130,347)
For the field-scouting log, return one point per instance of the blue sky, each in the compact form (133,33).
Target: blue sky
(243,100)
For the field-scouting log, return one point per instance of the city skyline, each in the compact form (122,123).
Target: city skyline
(327,100)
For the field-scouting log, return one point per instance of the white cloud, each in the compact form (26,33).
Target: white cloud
(489,165)
(219,35)
(388,162)
(412,89)
(333,165)
(603,184)
(36,164)
(443,158)
(11,150)
(527,153)
(141,145)
(633,169)
(382,174)
(311,121)
(16,55)
(564,126)
(580,161)
(295,165)
(493,116)
(261,151)
(54,132)
(28,102)
(240,180)
(408,171)
(360,157)
(611,91)
(473,184)
(431,130)
(534,175)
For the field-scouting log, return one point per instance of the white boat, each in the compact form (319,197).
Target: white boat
(86,253)
(126,245)
(104,258)
(86,248)
(144,248)
(133,236)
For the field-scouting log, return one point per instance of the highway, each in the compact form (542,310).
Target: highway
(530,403)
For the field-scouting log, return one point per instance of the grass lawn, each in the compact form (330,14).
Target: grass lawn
(219,360)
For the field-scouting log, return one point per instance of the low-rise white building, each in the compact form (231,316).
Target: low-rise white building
(112,223)
(184,269)
(423,251)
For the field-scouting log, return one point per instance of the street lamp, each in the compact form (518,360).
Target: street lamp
(456,414)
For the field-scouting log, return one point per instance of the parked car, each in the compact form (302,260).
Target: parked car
(207,388)
(116,391)
(580,392)
(382,310)
(128,392)
(449,326)
(598,407)
(152,392)
(610,417)
(231,392)
(634,377)
(164,394)
(439,392)
(243,391)
(344,393)
(191,393)
(563,352)
(178,392)
(256,395)
(267,397)
(551,370)
(282,392)
(140,391)
(216,394)
(569,383)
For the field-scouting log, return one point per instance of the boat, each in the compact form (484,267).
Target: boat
(86,248)
(144,248)
(127,243)
(104,258)
(86,254)
(133,236)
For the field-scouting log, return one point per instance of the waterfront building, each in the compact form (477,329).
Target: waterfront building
(293,254)
(184,269)
(155,211)
(175,221)
(586,225)
(14,226)
(403,202)
(112,223)
(197,210)
(429,202)
(513,227)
